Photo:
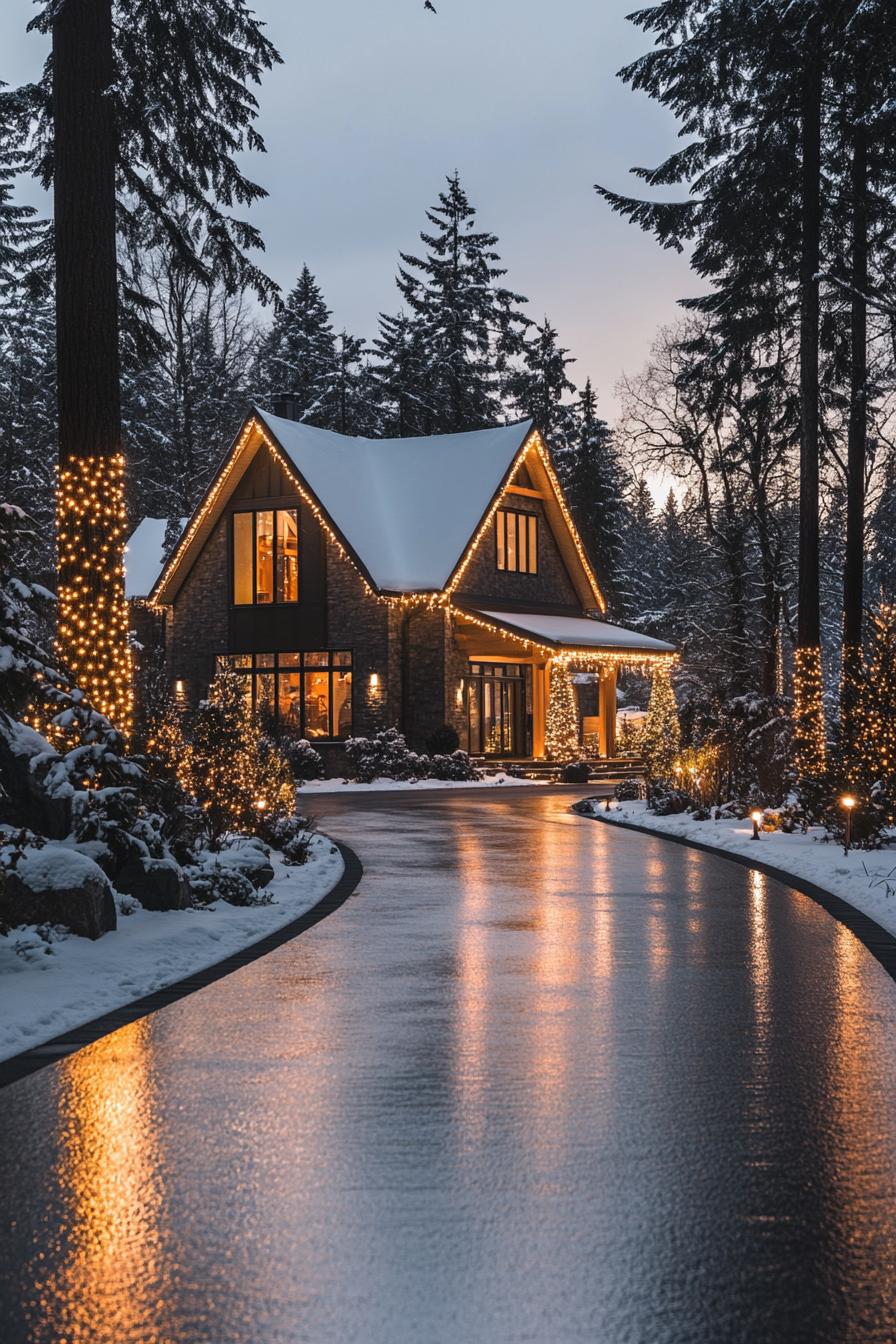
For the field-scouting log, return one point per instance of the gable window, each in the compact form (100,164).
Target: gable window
(304,694)
(265,557)
(517,541)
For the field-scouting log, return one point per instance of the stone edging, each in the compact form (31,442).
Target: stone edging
(880,943)
(50,1052)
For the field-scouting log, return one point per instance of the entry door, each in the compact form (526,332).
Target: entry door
(498,709)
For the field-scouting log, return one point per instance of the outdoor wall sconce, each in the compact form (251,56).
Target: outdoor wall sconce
(847,802)
(374,681)
(756,818)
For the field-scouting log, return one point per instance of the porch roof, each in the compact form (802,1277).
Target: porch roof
(573,633)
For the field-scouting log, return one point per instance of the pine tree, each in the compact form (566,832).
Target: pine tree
(298,355)
(538,388)
(469,325)
(561,741)
(28,421)
(661,735)
(401,378)
(589,470)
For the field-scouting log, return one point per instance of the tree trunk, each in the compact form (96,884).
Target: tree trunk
(84,223)
(92,630)
(808,708)
(853,571)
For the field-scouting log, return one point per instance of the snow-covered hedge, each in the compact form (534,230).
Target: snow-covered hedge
(387,755)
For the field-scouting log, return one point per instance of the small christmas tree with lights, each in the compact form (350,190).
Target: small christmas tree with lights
(661,735)
(239,777)
(561,739)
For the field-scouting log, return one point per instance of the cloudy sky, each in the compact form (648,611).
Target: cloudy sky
(378,100)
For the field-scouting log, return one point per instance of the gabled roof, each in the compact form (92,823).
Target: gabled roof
(406,511)
(576,632)
(144,555)
(407,507)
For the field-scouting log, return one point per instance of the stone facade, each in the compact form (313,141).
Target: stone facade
(483,582)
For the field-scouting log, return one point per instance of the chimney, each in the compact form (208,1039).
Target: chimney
(286,406)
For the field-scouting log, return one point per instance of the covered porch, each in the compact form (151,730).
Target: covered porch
(516,682)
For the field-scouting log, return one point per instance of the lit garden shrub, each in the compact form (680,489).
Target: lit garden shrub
(627,790)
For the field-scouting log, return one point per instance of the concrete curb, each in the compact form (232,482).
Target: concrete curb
(880,943)
(50,1052)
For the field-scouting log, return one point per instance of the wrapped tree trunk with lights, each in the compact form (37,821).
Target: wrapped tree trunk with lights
(561,740)
(875,765)
(93,619)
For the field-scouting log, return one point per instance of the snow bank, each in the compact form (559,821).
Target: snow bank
(865,879)
(387,785)
(46,989)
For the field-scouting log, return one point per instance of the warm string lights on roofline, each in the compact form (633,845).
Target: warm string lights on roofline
(581,660)
(548,465)
(92,630)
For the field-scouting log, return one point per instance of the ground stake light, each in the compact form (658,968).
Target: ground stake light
(847,802)
(756,818)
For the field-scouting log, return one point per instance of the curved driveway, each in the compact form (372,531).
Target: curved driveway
(538,1080)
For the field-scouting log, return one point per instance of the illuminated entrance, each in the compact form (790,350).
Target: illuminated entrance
(498,700)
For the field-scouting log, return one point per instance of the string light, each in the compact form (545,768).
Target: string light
(561,729)
(809,740)
(92,630)
(661,738)
(876,727)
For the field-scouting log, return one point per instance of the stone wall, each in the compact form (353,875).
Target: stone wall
(484,583)
(198,627)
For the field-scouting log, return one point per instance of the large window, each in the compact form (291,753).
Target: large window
(306,694)
(517,541)
(265,557)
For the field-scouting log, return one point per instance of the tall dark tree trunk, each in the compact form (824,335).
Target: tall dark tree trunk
(84,222)
(93,622)
(808,709)
(853,570)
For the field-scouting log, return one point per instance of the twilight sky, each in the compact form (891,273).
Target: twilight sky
(377,100)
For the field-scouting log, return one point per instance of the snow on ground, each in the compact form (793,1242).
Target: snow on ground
(49,989)
(383,785)
(864,878)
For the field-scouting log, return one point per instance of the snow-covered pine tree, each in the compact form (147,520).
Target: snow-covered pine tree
(539,387)
(28,421)
(402,378)
(469,325)
(588,465)
(298,354)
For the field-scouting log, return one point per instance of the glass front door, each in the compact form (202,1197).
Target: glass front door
(499,709)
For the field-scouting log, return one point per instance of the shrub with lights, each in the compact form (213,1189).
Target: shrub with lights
(873,768)
(240,777)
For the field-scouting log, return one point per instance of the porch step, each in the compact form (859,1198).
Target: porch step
(612,768)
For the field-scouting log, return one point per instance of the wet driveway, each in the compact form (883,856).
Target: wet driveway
(538,1080)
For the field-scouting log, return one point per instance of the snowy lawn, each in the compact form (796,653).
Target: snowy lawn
(378,785)
(863,878)
(47,989)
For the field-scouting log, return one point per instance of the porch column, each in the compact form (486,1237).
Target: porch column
(607,711)
(540,675)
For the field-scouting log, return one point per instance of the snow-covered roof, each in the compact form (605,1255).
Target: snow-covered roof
(144,555)
(407,507)
(577,632)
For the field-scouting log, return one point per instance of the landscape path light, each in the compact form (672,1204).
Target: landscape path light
(847,802)
(756,818)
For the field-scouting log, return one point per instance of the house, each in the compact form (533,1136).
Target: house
(356,584)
